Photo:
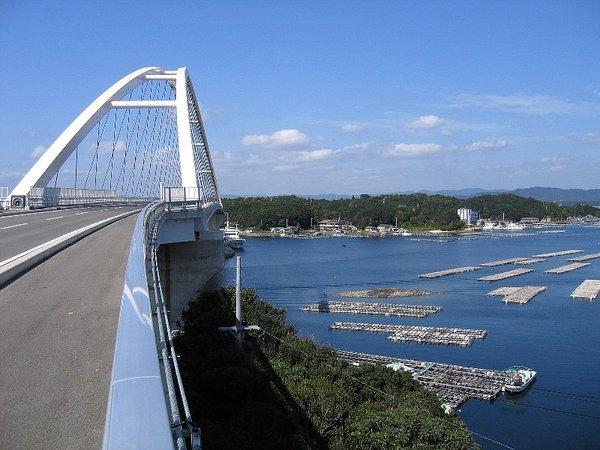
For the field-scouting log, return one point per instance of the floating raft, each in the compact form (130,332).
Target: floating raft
(503,262)
(589,289)
(422,335)
(567,268)
(585,257)
(505,275)
(387,309)
(518,294)
(385,293)
(529,261)
(553,254)
(443,273)
(452,384)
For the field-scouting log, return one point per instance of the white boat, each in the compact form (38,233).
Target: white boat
(232,237)
(519,378)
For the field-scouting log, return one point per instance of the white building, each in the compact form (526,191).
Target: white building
(468,216)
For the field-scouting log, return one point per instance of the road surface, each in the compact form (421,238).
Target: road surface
(20,232)
(57,333)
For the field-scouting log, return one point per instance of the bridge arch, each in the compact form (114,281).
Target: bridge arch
(195,164)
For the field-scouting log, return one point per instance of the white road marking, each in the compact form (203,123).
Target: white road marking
(79,214)
(54,218)
(14,226)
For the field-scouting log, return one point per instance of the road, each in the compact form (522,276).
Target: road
(57,334)
(21,232)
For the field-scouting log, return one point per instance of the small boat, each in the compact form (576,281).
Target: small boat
(519,378)
(232,237)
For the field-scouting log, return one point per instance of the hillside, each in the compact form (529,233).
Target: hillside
(282,391)
(413,211)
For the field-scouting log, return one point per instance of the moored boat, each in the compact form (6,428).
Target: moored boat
(519,378)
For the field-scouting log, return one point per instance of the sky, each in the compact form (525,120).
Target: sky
(329,97)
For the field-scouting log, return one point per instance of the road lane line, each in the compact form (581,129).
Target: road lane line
(54,218)
(14,226)
(79,214)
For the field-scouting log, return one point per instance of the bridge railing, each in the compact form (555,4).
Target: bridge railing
(138,413)
(58,196)
(146,388)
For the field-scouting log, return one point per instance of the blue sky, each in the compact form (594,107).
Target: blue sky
(329,97)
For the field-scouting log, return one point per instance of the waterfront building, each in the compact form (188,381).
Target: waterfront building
(468,216)
(334,225)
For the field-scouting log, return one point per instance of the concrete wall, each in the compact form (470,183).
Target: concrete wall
(187,268)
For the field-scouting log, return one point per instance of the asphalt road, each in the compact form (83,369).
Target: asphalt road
(21,232)
(57,334)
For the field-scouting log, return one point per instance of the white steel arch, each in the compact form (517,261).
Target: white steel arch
(196,169)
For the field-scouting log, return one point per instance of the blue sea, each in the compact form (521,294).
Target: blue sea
(553,334)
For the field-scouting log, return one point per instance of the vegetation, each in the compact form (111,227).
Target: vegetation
(413,211)
(281,391)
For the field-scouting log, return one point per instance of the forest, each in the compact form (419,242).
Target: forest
(412,211)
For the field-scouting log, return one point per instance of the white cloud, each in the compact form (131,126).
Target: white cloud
(424,122)
(38,151)
(488,144)
(527,104)
(285,167)
(287,138)
(413,149)
(352,128)
(315,155)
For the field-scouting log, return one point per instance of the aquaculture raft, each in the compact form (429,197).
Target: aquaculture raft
(385,293)
(387,309)
(589,289)
(503,262)
(517,294)
(423,335)
(442,273)
(585,257)
(505,275)
(567,268)
(452,384)
(529,261)
(553,254)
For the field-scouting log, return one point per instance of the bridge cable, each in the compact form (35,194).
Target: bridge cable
(138,186)
(130,132)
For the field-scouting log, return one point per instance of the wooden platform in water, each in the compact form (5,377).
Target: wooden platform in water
(505,275)
(585,257)
(517,294)
(529,261)
(442,273)
(567,268)
(423,335)
(386,309)
(452,384)
(589,289)
(560,253)
(502,262)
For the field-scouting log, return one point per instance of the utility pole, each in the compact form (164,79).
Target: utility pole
(239,329)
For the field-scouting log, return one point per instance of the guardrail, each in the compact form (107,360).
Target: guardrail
(146,389)
(59,196)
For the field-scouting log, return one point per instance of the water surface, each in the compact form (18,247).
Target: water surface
(552,333)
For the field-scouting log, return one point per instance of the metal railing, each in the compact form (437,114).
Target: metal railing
(58,196)
(146,391)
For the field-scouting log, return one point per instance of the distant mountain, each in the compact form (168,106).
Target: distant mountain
(566,196)
(545,194)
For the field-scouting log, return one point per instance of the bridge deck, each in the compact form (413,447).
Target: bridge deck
(20,232)
(57,332)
